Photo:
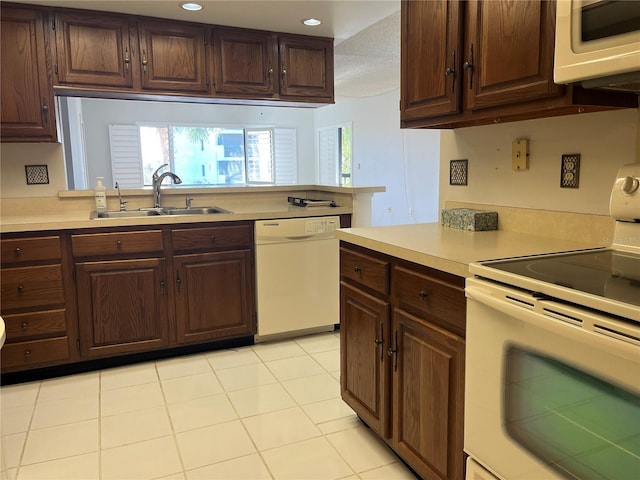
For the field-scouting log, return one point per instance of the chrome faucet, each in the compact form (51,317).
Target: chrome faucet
(123,205)
(157,182)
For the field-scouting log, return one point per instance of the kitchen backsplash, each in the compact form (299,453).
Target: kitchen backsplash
(580,227)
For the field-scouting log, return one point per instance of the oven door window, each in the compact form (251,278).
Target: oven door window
(580,425)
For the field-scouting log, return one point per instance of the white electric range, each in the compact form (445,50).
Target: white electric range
(552,387)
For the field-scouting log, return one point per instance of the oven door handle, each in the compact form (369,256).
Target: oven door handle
(596,329)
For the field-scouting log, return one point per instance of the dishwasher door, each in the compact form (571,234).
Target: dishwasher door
(297,272)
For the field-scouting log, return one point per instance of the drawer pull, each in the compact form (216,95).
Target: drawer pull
(27,353)
(24,325)
(119,244)
(18,251)
(357,269)
(213,238)
(423,295)
(20,288)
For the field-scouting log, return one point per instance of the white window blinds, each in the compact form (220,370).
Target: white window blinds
(286,152)
(126,164)
(328,156)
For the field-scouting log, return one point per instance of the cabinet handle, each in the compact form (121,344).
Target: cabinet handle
(162,284)
(45,111)
(127,59)
(451,71)
(119,244)
(24,325)
(422,295)
(144,61)
(468,65)
(357,269)
(178,281)
(20,289)
(18,251)
(393,352)
(27,353)
(379,343)
(212,238)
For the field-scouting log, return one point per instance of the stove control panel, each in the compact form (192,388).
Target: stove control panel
(625,195)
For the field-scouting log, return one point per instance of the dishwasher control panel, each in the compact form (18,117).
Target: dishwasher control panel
(320,225)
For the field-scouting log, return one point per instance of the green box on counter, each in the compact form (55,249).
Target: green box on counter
(468,219)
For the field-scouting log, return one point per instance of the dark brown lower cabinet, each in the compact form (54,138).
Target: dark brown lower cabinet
(402,357)
(213,293)
(122,306)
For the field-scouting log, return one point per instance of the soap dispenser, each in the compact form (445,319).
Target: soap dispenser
(101,196)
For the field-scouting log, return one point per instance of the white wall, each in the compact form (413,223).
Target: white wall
(605,140)
(99,113)
(406,162)
(14,157)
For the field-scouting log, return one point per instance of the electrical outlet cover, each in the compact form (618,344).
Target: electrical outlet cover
(570,171)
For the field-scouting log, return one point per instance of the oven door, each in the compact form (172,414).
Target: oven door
(552,391)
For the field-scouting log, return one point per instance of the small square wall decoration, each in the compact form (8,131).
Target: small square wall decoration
(37,174)
(458,172)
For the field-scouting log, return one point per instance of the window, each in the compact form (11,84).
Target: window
(334,155)
(203,155)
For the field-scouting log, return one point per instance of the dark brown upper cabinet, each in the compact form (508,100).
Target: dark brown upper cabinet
(245,62)
(173,56)
(94,50)
(26,86)
(479,62)
(306,67)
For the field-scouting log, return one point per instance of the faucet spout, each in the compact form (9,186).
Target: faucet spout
(157,183)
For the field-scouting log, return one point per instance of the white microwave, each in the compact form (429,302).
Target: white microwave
(598,43)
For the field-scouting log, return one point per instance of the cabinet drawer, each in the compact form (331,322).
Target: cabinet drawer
(15,250)
(25,354)
(368,271)
(442,303)
(23,326)
(25,287)
(116,243)
(212,237)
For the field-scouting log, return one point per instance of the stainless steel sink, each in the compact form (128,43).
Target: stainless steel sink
(152,212)
(196,211)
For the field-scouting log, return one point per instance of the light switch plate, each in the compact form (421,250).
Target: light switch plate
(570,171)
(520,155)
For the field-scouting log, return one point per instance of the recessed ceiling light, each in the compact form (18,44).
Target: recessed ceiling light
(191,6)
(311,22)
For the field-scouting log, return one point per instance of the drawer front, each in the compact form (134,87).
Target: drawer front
(16,250)
(24,326)
(116,243)
(27,354)
(27,287)
(368,271)
(212,237)
(441,302)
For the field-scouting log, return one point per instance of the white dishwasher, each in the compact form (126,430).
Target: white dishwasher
(297,272)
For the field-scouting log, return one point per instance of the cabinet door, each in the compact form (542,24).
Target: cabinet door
(364,339)
(428,397)
(431,48)
(173,57)
(122,306)
(25,85)
(306,67)
(93,50)
(214,296)
(245,62)
(510,49)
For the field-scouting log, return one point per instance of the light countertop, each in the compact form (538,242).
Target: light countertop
(452,250)
(73,220)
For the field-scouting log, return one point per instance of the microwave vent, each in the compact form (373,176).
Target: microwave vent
(624,82)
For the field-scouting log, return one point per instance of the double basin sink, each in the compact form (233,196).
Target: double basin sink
(152,212)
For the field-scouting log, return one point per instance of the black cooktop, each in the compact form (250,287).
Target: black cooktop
(607,273)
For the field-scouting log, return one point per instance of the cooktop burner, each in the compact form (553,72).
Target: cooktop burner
(607,273)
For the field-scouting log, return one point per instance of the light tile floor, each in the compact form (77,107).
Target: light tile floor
(268,411)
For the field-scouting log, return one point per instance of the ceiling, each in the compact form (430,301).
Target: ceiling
(366,32)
